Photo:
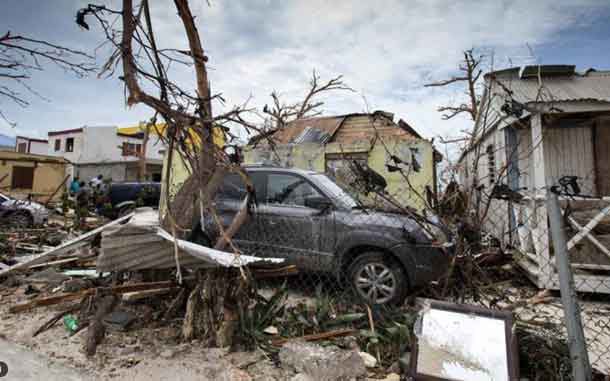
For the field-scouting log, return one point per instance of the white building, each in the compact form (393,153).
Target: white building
(35,146)
(103,150)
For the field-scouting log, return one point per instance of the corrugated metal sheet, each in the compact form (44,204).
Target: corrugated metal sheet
(592,86)
(312,135)
(326,124)
(142,244)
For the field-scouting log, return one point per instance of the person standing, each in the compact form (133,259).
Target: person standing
(75,186)
(96,181)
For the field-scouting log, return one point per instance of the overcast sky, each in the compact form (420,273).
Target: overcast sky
(386,50)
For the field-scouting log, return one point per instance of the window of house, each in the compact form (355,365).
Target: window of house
(131,149)
(70,145)
(57,144)
(22,147)
(23,177)
(339,165)
(491,164)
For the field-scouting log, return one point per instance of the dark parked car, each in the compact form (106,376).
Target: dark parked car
(312,222)
(124,197)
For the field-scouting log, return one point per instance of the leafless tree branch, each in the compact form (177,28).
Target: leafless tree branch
(20,55)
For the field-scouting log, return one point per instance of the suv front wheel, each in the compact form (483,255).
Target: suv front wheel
(378,278)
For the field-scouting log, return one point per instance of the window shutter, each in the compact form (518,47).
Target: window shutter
(23,177)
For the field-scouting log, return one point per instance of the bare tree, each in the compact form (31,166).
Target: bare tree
(280,114)
(190,132)
(471,73)
(20,56)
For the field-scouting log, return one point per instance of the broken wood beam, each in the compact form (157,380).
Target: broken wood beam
(315,336)
(52,300)
(57,262)
(273,273)
(97,330)
(139,295)
(175,305)
(61,185)
(51,322)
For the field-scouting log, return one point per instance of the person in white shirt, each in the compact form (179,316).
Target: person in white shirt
(96,181)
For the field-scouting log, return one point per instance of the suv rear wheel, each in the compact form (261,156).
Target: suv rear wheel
(378,278)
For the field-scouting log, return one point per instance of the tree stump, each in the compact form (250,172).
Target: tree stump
(211,309)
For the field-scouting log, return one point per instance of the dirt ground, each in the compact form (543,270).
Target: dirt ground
(141,354)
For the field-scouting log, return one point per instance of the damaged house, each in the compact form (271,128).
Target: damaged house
(24,175)
(331,144)
(538,127)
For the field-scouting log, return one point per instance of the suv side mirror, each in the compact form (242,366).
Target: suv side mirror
(318,202)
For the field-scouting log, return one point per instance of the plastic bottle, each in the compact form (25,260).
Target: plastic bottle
(71,323)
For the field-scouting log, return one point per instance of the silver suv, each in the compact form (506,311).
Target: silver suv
(312,222)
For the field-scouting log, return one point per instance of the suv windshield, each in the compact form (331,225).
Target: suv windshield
(343,194)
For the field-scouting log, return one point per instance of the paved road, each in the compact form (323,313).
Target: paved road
(23,364)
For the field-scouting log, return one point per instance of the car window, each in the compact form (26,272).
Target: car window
(287,189)
(234,188)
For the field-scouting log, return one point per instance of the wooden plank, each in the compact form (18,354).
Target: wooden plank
(52,300)
(139,295)
(590,266)
(315,336)
(64,247)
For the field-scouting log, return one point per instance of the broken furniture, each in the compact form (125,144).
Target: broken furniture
(463,342)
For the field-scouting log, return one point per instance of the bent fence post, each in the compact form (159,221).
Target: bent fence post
(581,369)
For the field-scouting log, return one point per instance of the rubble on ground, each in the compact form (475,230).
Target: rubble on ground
(126,321)
(322,363)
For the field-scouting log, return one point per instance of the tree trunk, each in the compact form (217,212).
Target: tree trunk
(211,310)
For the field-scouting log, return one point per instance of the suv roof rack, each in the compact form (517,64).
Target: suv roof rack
(264,165)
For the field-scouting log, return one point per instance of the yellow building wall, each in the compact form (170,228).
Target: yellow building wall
(47,177)
(312,156)
(179,173)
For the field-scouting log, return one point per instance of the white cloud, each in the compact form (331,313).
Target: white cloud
(386,50)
